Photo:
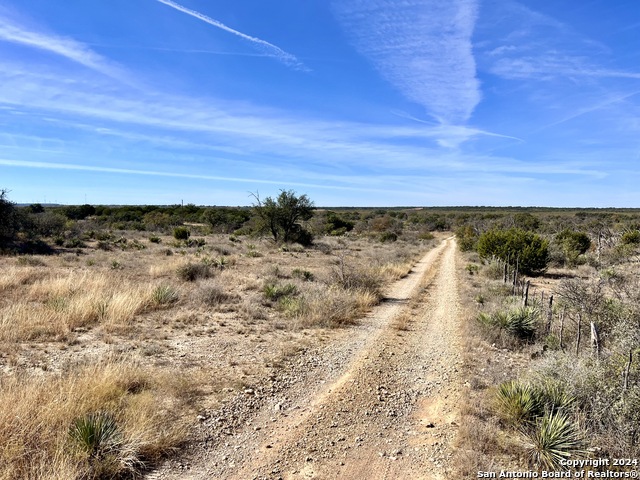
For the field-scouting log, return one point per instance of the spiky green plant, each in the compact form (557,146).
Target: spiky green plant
(292,306)
(499,319)
(521,323)
(519,403)
(104,452)
(96,434)
(555,396)
(275,292)
(554,438)
(305,275)
(164,295)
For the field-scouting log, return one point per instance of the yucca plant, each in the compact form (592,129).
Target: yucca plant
(274,291)
(97,437)
(519,403)
(164,295)
(555,396)
(521,323)
(96,434)
(553,439)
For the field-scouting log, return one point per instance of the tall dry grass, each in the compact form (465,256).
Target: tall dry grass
(51,308)
(38,412)
(331,306)
(16,276)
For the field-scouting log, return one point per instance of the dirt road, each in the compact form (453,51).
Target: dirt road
(379,404)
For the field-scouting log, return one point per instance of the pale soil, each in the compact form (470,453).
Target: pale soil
(380,401)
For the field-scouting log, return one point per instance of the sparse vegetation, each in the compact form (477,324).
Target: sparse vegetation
(115,291)
(575,388)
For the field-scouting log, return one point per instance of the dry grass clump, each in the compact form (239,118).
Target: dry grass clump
(166,267)
(395,271)
(328,306)
(52,308)
(359,279)
(212,295)
(15,276)
(194,271)
(40,418)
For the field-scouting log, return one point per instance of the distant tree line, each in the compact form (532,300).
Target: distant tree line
(548,236)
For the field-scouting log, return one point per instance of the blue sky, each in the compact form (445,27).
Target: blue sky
(353,102)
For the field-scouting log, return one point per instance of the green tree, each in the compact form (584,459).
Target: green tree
(573,244)
(526,221)
(9,220)
(281,216)
(226,220)
(467,238)
(336,225)
(79,212)
(528,250)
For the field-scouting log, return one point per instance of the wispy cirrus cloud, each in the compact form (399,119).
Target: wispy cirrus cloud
(235,127)
(422,47)
(554,65)
(264,46)
(77,52)
(531,45)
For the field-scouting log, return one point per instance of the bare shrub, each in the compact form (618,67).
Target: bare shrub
(493,270)
(357,279)
(194,271)
(212,295)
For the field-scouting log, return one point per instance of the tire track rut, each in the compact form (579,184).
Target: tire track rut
(382,406)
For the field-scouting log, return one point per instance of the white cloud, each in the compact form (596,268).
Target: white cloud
(269,48)
(554,65)
(11,31)
(423,48)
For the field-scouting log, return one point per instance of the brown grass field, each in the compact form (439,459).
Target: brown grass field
(150,336)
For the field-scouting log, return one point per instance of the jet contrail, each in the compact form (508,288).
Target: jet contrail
(271,49)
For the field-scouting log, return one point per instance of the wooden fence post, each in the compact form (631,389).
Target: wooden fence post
(595,340)
(564,310)
(579,334)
